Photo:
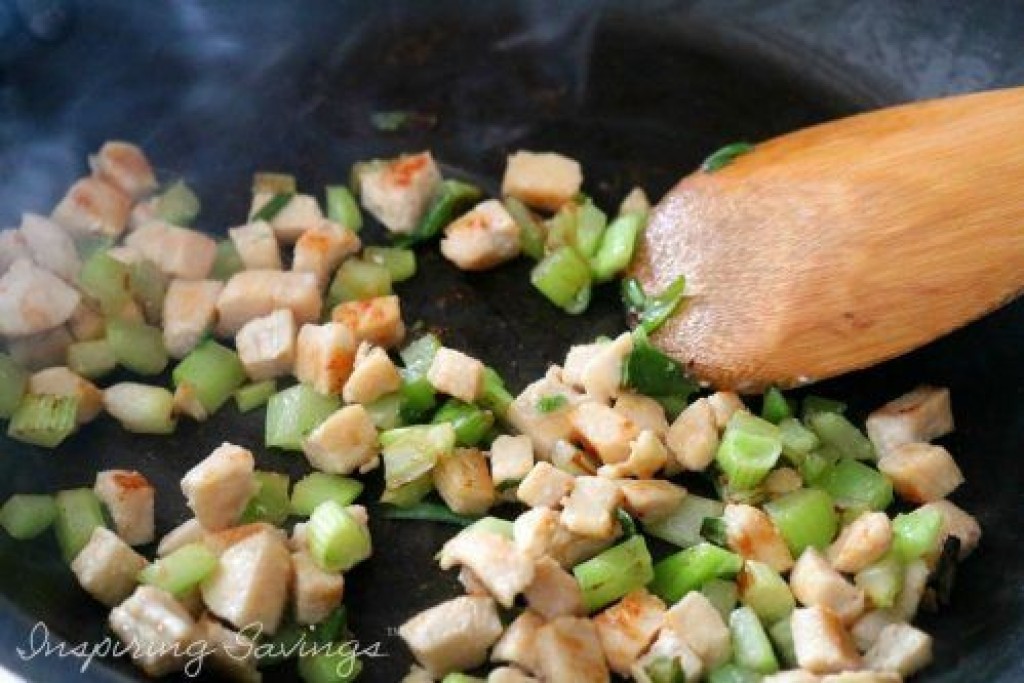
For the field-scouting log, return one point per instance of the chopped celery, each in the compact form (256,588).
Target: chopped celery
(78,514)
(550,404)
(418,355)
(429,512)
(651,312)
(883,580)
(269,181)
(805,518)
(148,285)
(105,279)
(274,206)
(665,670)
(774,406)
(13,383)
(181,570)
(724,156)
(916,534)
(471,424)
(682,526)
(386,411)
(338,666)
(650,372)
(401,263)
(461,678)
(177,204)
(141,408)
(270,502)
(418,399)
(452,199)
(564,278)
(590,227)
(408,495)
(818,404)
(614,573)
(749,450)
(531,231)
(836,431)
(853,484)
(255,395)
(228,261)
(817,464)
(750,645)
(617,246)
(318,487)
(733,673)
(722,594)
(214,371)
(713,531)
(295,412)
(493,525)
(27,515)
(561,229)
(781,633)
(337,541)
(90,359)
(689,569)
(409,452)
(43,419)
(357,280)
(342,208)
(797,440)
(137,346)
(495,396)
(763,590)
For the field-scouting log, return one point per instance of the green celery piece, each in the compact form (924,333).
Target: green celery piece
(816,465)
(724,156)
(733,673)
(682,526)
(883,580)
(148,285)
(339,666)
(765,591)
(610,575)
(531,231)
(453,198)
(43,420)
(689,569)
(665,670)
(852,484)
(418,399)
(563,276)
(650,372)
(805,518)
(27,515)
(213,371)
(143,409)
(255,395)
(274,206)
(471,424)
(106,280)
(337,541)
(408,495)
(774,407)
(270,502)
(418,355)
(651,311)
(429,512)
(90,359)
(561,229)
(797,440)
(13,383)
(342,208)
(617,246)
(386,411)
(749,449)
(781,633)
(461,678)
(836,431)
(181,570)
(401,263)
(78,514)
(916,534)
(178,204)
(228,261)
(410,452)
(357,280)
(751,648)
(137,346)
(813,405)
(295,412)
(590,227)
(549,404)
(722,594)
(494,396)
(318,487)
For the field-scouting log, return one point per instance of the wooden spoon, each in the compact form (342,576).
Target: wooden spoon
(842,245)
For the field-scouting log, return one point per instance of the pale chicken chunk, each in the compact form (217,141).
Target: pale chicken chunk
(509,674)
(176,251)
(922,415)
(700,625)
(453,636)
(590,508)
(301,213)
(257,246)
(821,642)
(266,345)
(915,580)
(644,412)
(693,437)
(324,356)
(482,238)
(316,593)
(321,249)
(189,531)
(647,455)
(33,300)
(157,627)
(782,481)
(219,541)
(569,651)
(250,584)
(576,360)
(251,294)
(456,374)
(545,485)
(189,312)
(463,481)
(627,628)
(544,427)
(218,488)
(652,499)
(815,583)
(862,677)
(130,499)
(343,443)
(93,207)
(377,320)
(602,375)
(60,381)
(543,180)
(87,323)
(921,472)
(511,459)
(50,246)
(900,648)
(554,592)
(533,532)
(956,522)
(373,376)
(669,645)
(398,192)
(862,542)
(794,676)
(603,431)
(516,645)
(725,404)
(124,165)
(870,626)
(13,246)
(753,535)
(231,654)
(107,566)
(500,565)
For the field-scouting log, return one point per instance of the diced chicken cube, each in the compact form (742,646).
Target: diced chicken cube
(398,192)
(453,636)
(554,592)
(13,246)
(250,584)
(107,566)
(602,375)
(317,592)
(956,522)
(187,402)
(700,625)
(266,345)
(456,374)
(569,651)
(218,488)
(647,455)
(130,498)
(569,548)
(590,508)
(603,431)
(511,459)
(157,628)
(93,207)
(231,654)
(33,300)
(533,532)
(190,309)
(508,674)
(344,442)
(862,542)
(693,437)
(644,412)
(815,583)
(794,676)
(869,627)
(324,356)
(545,428)
(50,246)
(86,323)
(543,180)
(862,677)
(576,361)
(545,485)
(301,213)
(782,481)
(189,531)
(570,458)
(651,500)
(377,320)
(725,404)
(123,165)
(471,584)
(176,251)
(482,238)
(464,482)
(921,472)
(752,534)
(900,648)
(516,645)
(219,541)
(500,565)
(628,627)
(251,294)
(915,579)
(417,675)
(257,246)
(59,381)
(922,415)
(821,641)
(320,250)
(373,376)
(669,645)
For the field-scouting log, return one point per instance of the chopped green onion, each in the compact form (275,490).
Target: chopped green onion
(429,512)
(590,227)
(402,121)
(561,229)
(78,514)
(713,531)
(651,312)
(410,452)
(749,449)
(682,526)
(549,404)
(689,569)
(797,440)
(916,534)
(255,395)
(105,279)
(13,383)
(90,359)
(337,541)
(357,280)
(781,633)
(883,580)
(836,431)
(141,408)
(182,570)
(750,645)
(725,156)
(614,573)
(418,355)
(228,261)
(531,232)
(273,207)
(401,263)
(178,204)
(563,277)
(853,484)
(650,372)
(495,396)
(819,404)
(617,246)
(27,515)
(471,424)
(43,419)
(385,412)
(341,666)
(722,595)
(343,209)
(765,591)
(626,522)
(805,518)
(137,346)
(418,399)
(267,181)
(213,371)
(672,405)
(270,502)
(732,494)
(318,487)
(295,412)
(733,673)
(774,407)
(148,285)
(408,495)
(452,199)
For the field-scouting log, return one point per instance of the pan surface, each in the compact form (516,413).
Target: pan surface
(639,92)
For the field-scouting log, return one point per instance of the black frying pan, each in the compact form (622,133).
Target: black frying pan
(639,92)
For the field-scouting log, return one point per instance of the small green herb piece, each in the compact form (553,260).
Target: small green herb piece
(725,156)
(549,404)
(453,199)
(273,207)
(428,512)
(402,121)
(651,312)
